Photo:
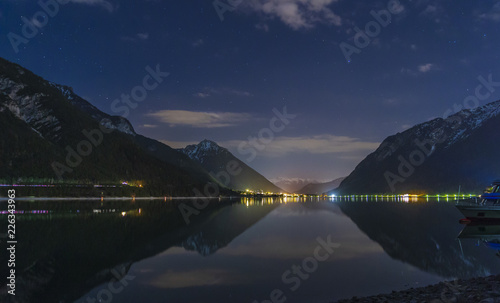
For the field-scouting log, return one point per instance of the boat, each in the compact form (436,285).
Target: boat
(486,208)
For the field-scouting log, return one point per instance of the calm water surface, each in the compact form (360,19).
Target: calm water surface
(241,250)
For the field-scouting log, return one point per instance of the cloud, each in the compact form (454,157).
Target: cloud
(209,91)
(149,126)
(391,101)
(407,71)
(424,68)
(262,27)
(198,43)
(143,36)
(102,3)
(493,14)
(421,69)
(200,119)
(237,92)
(318,144)
(434,11)
(198,277)
(297,14)
(136,37)
(431,10)
(202,95)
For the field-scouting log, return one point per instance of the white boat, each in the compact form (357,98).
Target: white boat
(480,212)
(488,207)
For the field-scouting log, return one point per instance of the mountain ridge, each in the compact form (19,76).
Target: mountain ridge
(227,168)
(48,140)
(433,157)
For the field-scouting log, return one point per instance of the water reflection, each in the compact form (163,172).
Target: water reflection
(238,250)
(423,234)
(483,234)
(67,248)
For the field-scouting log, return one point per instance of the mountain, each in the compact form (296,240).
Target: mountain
(51,135)
(434,157)
(227,169)
(320,188)
(153,147)
(292,185)
(212,234)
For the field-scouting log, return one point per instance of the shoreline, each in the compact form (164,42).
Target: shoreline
(480,290)
(109,198)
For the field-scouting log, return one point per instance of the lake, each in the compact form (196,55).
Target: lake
(240,250)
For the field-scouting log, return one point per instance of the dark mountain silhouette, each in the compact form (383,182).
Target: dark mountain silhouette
(228,169)
(434,157)
(51,135)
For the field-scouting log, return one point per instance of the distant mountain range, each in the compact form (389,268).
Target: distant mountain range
(292,185)
(51,135)
(227,169)
(434,157)
(320,188)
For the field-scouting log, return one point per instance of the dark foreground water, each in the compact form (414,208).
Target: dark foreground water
(238,250)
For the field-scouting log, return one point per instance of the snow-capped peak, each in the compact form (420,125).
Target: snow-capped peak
(454,128)
(203,149)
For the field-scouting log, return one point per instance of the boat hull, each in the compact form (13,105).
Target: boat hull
(477,212)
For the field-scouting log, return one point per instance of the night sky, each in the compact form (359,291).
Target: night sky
(227,78)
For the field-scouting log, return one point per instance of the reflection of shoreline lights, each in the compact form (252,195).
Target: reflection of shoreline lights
(26,185)
(98,211)
(54,185)
(403,197)
(263,201)
(95,211)
(5,212)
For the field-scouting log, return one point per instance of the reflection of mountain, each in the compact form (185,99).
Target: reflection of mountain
(434,248)
(61,259)
(218,231)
